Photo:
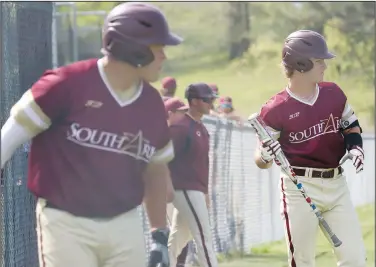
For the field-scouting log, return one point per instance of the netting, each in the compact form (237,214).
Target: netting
(244,199)
(26,54)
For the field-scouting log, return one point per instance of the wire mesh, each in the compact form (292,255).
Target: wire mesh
(26,54)
(244,200)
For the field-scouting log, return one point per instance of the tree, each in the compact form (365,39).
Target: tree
(238,29)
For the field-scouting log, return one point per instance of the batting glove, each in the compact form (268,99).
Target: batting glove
(356,154)
(269,149)
(159,251)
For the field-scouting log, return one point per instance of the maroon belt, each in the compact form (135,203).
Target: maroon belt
(319,174)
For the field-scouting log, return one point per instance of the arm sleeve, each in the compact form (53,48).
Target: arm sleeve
(348,116)
(36,110)
(45,102)
(271,119)
(13,135)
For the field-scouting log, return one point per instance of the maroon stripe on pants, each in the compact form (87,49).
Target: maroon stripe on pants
(287,222)
(41,242)
(199,227)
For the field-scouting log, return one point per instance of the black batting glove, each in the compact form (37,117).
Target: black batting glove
(159,251)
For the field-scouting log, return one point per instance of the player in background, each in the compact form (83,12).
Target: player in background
(96,152)
(175,109)
(314,124)
(213,110)
(168,88)
(226,109)
(190,177)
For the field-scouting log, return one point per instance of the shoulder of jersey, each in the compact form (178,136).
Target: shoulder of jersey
(73,70)
(182,121)
(329,86)
(152,90)
(277,100)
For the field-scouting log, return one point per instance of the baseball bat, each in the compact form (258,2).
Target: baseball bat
(261,129)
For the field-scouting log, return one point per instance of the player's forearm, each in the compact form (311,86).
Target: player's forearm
(13,135)
(155,201)
(259,162)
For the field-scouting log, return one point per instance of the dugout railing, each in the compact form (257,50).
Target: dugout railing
(245,200)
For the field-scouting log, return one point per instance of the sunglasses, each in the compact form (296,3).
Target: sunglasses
(208,100)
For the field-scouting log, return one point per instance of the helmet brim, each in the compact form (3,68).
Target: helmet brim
(173,39)
(329,55)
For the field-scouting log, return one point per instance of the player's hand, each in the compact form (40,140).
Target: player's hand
(269,149)
(159,251)
(356,154)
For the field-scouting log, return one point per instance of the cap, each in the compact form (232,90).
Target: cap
(169,83)
(174,104)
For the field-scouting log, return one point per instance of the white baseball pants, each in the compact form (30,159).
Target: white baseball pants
(332,198)
(191,219)
(67,240)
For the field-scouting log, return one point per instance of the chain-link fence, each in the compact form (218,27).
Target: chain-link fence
(78,33)
(245,199)
(26,54)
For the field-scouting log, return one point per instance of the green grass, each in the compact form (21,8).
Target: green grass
(274,254)
(251,87)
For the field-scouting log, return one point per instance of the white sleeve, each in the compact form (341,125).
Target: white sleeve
(164,155)
(348,116)
(13,135)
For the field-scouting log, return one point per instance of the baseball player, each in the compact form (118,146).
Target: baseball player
(226,109)
(96,152)
(314,124)
(214,87)
(190,177)
(175,108)
(168,88)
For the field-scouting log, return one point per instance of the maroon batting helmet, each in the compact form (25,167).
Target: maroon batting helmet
(129,30)
(200,91)
(302,45)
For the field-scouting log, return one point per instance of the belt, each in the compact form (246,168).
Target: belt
(318,174)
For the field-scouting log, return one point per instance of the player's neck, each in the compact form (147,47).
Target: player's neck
(302,88)
(120,76)
(194,114)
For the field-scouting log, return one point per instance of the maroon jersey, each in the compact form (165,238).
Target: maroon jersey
(93,144)
(190,167)
(309,132)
